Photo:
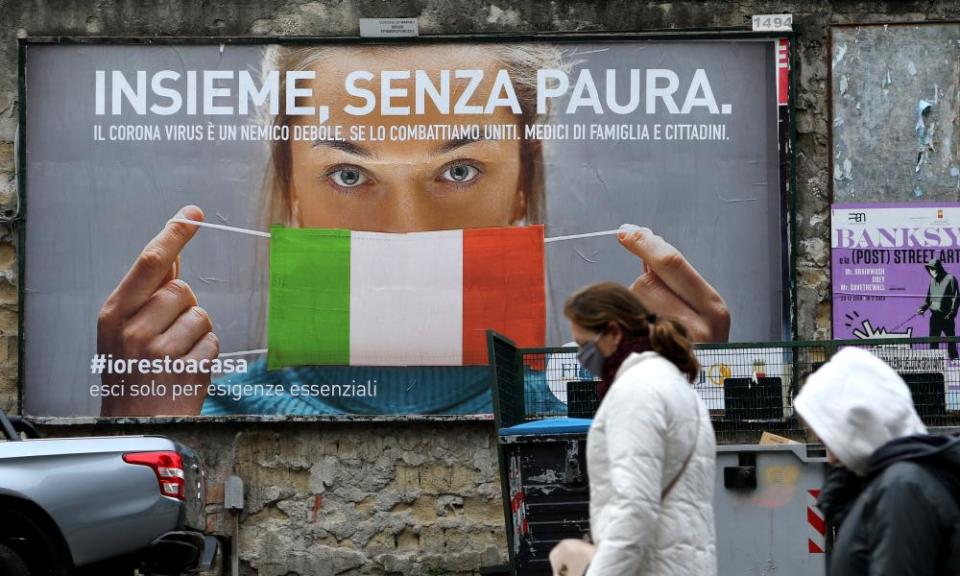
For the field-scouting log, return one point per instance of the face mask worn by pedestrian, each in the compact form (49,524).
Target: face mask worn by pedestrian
(590,356)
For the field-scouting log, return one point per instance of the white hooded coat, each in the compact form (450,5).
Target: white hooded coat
(856,403)
(648,424)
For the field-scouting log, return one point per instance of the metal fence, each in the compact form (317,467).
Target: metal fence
(748,387)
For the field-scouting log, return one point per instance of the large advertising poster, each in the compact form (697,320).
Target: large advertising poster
(364,213)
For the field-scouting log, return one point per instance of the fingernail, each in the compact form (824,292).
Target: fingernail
(628,229)
(182,214)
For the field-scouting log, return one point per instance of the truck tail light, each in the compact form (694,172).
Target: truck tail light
(167,465)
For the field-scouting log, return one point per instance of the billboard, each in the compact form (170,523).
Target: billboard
(328,229)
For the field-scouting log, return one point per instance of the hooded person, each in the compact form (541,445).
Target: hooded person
(892,500)
(943,301)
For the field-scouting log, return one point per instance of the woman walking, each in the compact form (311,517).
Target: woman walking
(650,449)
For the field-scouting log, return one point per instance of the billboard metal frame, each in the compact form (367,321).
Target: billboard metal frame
(787,161)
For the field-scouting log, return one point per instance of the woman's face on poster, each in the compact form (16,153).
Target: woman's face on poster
(392,185)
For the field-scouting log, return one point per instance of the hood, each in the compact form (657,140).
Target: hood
(940,452)
(856,403)
(936,265)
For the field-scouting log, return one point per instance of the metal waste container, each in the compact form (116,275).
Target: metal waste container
(547,489)
(765,510)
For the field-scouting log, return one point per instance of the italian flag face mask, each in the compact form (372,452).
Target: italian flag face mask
(339,297)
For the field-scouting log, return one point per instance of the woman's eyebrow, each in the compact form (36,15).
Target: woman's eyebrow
(451,145)
(344,146)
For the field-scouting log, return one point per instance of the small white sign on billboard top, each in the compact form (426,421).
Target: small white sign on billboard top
(389,27)
(772,22)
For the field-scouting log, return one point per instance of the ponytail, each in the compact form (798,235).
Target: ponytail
(669,339)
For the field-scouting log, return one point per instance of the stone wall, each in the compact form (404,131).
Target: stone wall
(406,498)
(326,499)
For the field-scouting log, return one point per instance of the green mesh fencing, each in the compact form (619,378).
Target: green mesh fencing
(748,387)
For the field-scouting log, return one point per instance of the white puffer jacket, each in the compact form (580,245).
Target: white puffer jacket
(650,421)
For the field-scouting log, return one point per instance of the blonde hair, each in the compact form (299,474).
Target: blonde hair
(522,61)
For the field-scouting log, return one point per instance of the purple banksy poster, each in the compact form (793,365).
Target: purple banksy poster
(895,269)
(895,275)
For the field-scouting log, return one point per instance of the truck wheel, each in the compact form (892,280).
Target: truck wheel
(11,564)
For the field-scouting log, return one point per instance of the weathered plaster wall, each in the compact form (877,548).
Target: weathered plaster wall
(326,499)
(407,498)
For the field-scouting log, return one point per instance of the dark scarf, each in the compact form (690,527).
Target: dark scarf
(629,344)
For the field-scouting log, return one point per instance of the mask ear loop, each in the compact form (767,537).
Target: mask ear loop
(221,227)
(295,215)
(575,236)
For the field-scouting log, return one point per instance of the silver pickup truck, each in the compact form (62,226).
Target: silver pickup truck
(104,506)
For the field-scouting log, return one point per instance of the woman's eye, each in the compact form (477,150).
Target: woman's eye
(348,176)
(460,173)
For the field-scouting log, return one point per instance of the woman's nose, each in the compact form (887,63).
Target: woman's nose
(406,208)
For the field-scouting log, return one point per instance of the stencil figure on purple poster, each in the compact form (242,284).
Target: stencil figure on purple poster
(942,301)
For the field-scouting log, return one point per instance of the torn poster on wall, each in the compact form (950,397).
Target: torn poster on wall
(895,122)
